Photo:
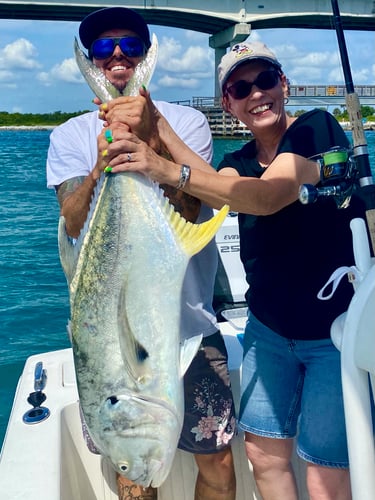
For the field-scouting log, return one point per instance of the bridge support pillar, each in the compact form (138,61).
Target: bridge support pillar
(222,40)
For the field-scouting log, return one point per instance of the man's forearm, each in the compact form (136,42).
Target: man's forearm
(74,196)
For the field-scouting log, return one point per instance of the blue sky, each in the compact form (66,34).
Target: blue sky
(38,73)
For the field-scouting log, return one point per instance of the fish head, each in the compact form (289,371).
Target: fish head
(140,437)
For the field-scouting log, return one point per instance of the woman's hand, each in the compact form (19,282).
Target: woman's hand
(126,152)
(138,113)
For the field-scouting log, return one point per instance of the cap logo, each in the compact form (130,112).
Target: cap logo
(242,50)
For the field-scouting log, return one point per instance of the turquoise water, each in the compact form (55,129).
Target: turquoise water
(33,291)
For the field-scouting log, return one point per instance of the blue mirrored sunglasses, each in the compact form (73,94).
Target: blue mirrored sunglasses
(131,46)
(266,80)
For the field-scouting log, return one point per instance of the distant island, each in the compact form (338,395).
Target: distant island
(217,119)
(31,120)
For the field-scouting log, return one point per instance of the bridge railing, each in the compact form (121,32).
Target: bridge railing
(310,95)
(330,90)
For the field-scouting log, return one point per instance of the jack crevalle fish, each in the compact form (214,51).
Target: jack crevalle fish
(125,275)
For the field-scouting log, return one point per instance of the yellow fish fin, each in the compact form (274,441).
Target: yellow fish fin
(194,237)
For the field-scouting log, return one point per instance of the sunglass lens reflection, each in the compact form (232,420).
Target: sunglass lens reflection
(266,80)
(130,47)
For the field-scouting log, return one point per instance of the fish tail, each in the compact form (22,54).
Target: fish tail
(95,78)
(194,237)
(102,87)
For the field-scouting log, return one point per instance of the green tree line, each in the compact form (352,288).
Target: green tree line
(34,120)
(341,114)
(58,117)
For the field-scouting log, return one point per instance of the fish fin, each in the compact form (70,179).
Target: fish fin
(194,237)
(67,251)
(188,351)
(134,354)
(69,330)
(69,248)
(93,204)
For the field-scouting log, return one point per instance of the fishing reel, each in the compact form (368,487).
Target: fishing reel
(338,174)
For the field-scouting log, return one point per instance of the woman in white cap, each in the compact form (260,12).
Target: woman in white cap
(291,383)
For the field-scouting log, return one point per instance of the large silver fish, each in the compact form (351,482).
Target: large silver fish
(125,276)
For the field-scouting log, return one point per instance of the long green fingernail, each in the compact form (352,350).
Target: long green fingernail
(108,169)
(144,88)
(108,135)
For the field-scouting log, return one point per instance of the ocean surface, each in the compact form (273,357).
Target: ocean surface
(33,290)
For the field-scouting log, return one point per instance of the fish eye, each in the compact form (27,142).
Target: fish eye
(113,399)
(123,466)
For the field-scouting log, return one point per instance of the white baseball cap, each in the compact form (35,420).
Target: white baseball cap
(241,53)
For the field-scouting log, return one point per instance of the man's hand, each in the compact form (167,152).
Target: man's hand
(138,113)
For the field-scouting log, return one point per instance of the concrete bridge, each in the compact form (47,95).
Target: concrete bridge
(209,16)
(227,21)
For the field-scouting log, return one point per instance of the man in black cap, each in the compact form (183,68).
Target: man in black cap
(117,39)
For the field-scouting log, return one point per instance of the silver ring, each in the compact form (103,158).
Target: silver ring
(129,157)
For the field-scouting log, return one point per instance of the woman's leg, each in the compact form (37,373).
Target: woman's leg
(272,383)
(326,483)
(272,468)
(322,434)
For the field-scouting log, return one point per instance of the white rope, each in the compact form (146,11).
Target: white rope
(354,277)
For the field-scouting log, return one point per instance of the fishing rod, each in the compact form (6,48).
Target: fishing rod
(339,169)
(360,149)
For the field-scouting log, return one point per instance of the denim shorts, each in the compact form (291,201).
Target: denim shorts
(293,388)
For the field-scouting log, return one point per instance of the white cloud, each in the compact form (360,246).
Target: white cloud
(66,71)
(172,82)
(44,78)
(303,66)
(175,58)
(10,86)
(19,55)
(186,64)
(335,76)
(362,76)
(196,36)
(6,76)
(302,74)
(318,59)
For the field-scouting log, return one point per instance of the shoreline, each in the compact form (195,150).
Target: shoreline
(27,127)
(236,135)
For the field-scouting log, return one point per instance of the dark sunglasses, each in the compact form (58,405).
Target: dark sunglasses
(266,80)
(131,46)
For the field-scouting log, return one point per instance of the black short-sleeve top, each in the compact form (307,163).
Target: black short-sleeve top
(290,255)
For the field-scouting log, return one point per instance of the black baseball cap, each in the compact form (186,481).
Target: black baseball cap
(99,21)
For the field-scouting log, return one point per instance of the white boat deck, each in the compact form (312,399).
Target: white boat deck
(50,460)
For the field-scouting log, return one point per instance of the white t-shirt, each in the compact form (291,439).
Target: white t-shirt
(73,153)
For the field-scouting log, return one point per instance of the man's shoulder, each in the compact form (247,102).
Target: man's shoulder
(85,123)
(85,119)
(190,125)
(174,109)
